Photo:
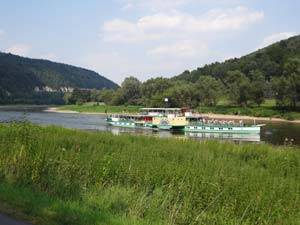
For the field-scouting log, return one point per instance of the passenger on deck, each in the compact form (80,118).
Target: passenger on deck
(241,123)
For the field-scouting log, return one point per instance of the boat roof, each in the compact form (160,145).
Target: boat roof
(128,115)
(194,117)
(160,109)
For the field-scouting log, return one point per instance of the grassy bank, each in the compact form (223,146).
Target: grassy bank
(92,107)
(267,109)
(59,176)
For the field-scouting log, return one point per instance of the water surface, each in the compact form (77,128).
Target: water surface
(274,132)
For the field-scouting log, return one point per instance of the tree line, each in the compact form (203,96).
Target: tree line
(235,86)
(271,72)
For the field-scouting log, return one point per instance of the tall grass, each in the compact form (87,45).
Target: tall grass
(78,177)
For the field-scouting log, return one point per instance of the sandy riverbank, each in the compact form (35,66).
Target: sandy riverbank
(56,110)
(210,115)
(240,117)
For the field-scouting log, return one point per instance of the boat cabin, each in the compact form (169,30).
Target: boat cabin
(175,112)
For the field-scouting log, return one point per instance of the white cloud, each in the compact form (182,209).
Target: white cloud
(276,37)
(166,39)
(123,31)
(19,49)
(183,49)
(118,25)
(161,21)
(225,19)
(163,25)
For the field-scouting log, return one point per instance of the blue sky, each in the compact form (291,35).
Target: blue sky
(143,38)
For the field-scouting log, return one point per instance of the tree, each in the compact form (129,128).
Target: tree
(209,90)
(288,87)
(79,96)
(107,95)
(155,86)
(281,88)
(293,94)
(182,95)
(67,97)
(131,90)
(257,90)
(117,97)
(95,95)
(238,87)
(152,91)
(292,66)
(157,100)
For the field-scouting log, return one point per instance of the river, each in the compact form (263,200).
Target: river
(277,133)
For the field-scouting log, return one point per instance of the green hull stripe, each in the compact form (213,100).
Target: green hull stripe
(246,130)
(129,126)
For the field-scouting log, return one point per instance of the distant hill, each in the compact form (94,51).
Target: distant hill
(270,60)
(37,81)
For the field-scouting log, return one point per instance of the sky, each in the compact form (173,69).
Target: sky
(143,38)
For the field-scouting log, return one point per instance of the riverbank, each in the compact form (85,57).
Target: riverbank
(92,107)
(60,176)
(210,115)
(23,107)
(266,110)
(253,118)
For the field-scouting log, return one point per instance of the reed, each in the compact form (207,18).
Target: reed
(61,176)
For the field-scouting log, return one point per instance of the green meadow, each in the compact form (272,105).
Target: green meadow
(93,107)
(52,175)
(267,109)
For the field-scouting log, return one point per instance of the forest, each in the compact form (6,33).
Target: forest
(269,73)
(20,78)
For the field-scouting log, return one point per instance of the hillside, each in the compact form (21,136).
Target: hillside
(25,80)
(270,60)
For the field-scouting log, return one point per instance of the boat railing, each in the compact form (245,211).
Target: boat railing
(216,123)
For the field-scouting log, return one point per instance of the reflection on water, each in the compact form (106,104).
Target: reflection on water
(273,132)
(223,136)
(148,132)
(182,134)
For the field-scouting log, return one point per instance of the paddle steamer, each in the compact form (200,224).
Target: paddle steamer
(179,119)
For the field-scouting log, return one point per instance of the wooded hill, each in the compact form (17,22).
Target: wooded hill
(37,81)
(271,61)
(271,72)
